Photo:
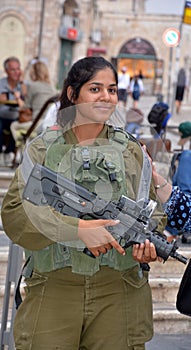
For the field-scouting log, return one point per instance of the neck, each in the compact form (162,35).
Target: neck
(12,83)
(87,132)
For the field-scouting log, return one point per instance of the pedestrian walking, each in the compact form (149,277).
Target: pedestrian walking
(136,89)
(181,86)
(123,86)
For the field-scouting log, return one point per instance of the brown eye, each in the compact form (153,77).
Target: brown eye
(94,89)
(112,91)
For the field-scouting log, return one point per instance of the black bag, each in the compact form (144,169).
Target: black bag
(157,114)
(183,301)
(174,164)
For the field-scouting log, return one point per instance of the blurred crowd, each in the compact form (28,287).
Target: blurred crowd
(20,103)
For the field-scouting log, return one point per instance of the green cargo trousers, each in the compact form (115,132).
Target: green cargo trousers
(66,311)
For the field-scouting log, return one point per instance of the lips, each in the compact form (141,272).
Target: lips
(104,107)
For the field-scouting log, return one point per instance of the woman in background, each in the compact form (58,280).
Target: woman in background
(176,203)
(39,91)
(136,89)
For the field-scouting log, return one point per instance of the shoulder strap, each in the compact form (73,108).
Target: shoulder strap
(51,134)
(48,136)
(119,137)
(122,138)
(146,174)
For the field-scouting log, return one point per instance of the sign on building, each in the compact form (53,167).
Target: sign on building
(171,37)
(187,13)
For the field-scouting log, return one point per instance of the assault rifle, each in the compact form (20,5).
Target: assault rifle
(48,188)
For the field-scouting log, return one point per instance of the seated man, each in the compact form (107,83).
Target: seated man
(12,90)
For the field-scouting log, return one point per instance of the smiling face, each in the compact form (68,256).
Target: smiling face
(97,98)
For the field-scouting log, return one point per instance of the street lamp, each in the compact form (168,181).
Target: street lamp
(41,28)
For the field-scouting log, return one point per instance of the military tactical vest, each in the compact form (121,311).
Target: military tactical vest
(100,168)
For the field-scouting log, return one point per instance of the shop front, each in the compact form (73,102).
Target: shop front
(139,56)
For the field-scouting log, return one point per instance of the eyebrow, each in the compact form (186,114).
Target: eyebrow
(100,84)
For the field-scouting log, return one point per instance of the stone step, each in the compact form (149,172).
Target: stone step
(2,194)
(165,289)
(6,175)
(3,262)
(168,320)
(171,266)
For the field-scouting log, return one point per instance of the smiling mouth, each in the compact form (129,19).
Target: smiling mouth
(105,107)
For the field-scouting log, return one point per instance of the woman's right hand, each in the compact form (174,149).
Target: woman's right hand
(96,237)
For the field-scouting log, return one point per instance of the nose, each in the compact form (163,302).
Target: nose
(105,96)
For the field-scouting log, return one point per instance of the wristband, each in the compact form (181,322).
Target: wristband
(157,187)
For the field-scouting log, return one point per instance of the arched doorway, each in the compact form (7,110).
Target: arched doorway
(10,28)
(140,57)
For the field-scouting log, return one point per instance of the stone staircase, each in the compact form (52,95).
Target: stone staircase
(164,280)
(6,175)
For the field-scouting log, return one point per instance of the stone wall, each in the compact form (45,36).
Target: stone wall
(116,22)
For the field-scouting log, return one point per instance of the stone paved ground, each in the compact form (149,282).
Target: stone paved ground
(170,342)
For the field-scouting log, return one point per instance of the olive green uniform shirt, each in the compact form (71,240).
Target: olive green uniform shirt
(35,227)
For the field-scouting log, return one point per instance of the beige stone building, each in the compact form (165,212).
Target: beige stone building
(61,32)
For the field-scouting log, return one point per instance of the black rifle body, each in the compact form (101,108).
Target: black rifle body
(48,188)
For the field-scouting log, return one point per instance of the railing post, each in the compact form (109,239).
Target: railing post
(14,267)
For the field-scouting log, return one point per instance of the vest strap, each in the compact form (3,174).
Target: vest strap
(122,137)
(18,298)
(85,158)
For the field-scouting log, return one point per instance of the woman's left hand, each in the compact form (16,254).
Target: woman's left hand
(145,252)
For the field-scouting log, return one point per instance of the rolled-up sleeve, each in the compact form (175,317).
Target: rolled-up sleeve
(34,227)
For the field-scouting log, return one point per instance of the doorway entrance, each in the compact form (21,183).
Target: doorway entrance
(139,56)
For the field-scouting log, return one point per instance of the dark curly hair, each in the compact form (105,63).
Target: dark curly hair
(80,73)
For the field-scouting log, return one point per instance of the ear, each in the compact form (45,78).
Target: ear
(70,94)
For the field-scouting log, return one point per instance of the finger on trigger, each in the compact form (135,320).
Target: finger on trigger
(118,247)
